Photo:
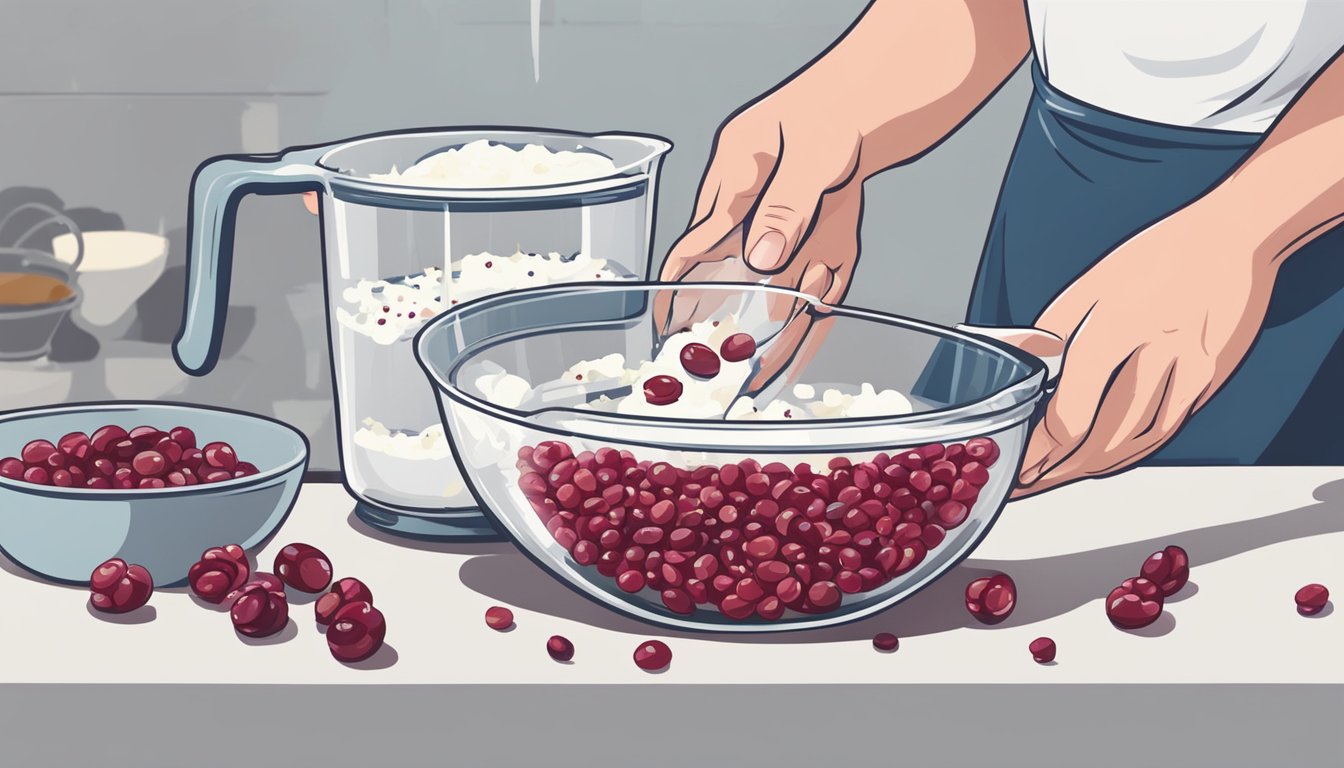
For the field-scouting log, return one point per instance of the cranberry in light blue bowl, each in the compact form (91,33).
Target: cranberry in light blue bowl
(62,533)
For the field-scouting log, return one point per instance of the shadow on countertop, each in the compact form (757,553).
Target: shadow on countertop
(1047,586)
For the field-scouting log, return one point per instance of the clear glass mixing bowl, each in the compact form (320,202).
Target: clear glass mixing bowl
(883,506)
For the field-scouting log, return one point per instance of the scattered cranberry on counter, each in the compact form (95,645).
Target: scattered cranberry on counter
(737,347)
(992,598)
(219,571)
(1311,599)
(1136,603)
(498,617)
(118,588)
(1042,650)
(886,642)
(699,360)
(662,390)
(259,612)
(267,581)
(357,632)
(560,648)
(303,567)
(114,459)
(753,540)
(1168,569)
(650,656)
(342,592)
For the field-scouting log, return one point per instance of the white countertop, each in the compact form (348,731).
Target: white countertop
(1253,535)
(1229,676)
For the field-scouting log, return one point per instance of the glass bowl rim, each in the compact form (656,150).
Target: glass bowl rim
(971,418)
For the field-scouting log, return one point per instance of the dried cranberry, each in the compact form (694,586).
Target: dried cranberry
(982,450)
(357,632)
(149,463)
(823,594)
(268,581)
(699,360)
(1042,650)
(11,468)
(1311,599)
(975,473)
(171,451)
(74,445)
(678,601)
(104,438)
(183,437)
(220,456)
(886,642)
(498,617)
(145,436)
(991,599)
(653,655)
(1135,603)
(259,612)
(303,567)
(219,571)
(662,390)
(1168,569)
(560,648)
(37,452)
(116,587)
(737,347)
(342,592)
(735,607)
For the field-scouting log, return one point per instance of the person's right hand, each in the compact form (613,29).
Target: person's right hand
(783,189)
(780,202)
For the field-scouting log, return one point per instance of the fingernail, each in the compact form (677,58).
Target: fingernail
(768,252)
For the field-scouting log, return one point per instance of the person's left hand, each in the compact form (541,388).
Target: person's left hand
(1149,334)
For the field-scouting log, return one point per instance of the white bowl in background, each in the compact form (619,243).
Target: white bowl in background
(118,267)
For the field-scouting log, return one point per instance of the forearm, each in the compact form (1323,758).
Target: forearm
(910,71)
(1291,188)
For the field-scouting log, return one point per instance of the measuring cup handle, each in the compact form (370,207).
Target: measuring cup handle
(217,187)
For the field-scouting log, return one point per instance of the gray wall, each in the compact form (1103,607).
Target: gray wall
(110,106)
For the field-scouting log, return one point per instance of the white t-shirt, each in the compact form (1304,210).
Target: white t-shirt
(1229,65)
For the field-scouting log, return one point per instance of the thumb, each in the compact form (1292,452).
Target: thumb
(783,216)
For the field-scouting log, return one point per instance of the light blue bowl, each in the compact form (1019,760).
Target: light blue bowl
(62,534)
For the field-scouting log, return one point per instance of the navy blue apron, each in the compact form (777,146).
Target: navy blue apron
(1081,181)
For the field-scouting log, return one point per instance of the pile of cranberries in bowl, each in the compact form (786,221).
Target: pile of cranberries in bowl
(114,458)
(748,539)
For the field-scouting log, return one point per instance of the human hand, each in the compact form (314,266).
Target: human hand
(310,202)
(780,203)
(1149,334)
(782,189)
